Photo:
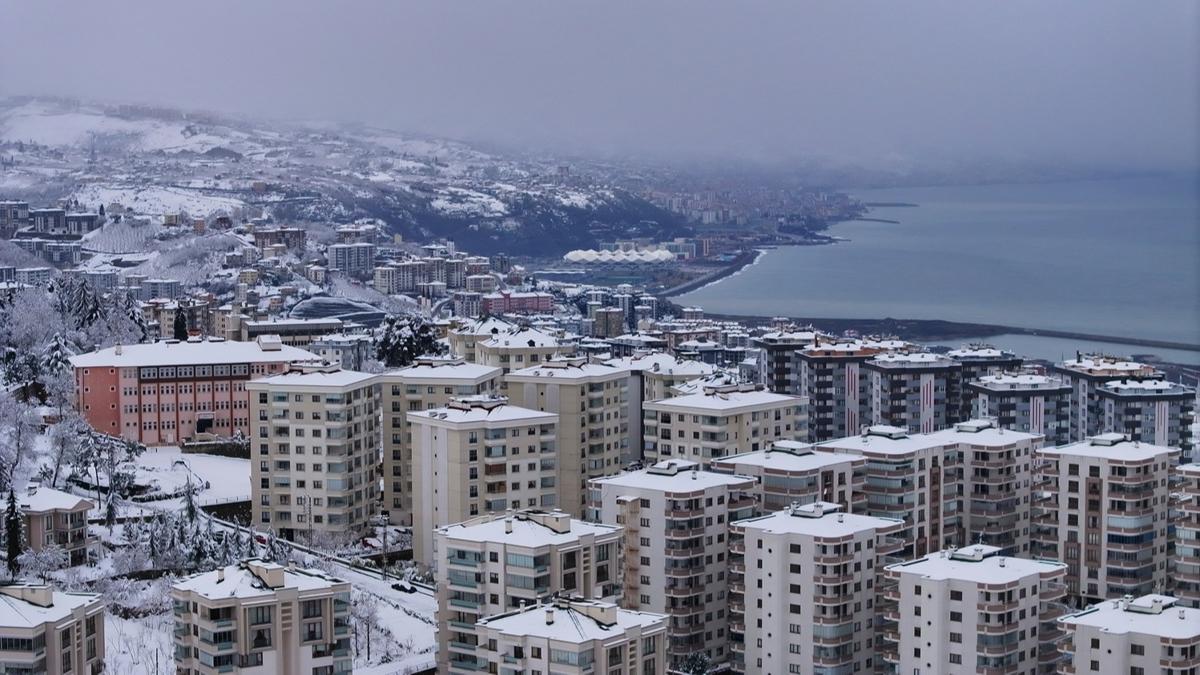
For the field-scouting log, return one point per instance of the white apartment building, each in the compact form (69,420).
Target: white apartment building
(48,631)
(676,519)
(1185,572)
(314,452)
(790,472)
(1133,636)
(653,376)
(356,259)
(575,637)
(427,384)
(719,422)
(1101,506)
(475,456)
(591,402)
(260,618)
(464,338)
(497,563)
(972,610)
(518,348)
(803,589)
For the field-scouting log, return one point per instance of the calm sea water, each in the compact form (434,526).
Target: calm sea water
(1112,257)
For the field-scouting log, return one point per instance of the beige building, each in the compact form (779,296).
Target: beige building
(972,610)
(803,589)
(719,422)
(59,518)
(47,631)
(790,472)
(259,618)
(428,383)
(654,376)
(574,637)
(676,550)
(1102,507)
(314,452)
(590,400)
(476,456)
(518,348)
(1139,636)
(1185,569)
(464,338)
(497,563)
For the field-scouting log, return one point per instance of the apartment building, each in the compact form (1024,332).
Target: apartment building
(1150,411)
(48,631)
(972,610)
(1128,635)
(314,453)
(1101,506)
(292,332)
(260,618)
(790,472)
(52,517)
(914,478)
(653,376)
(831,376)
(427,384)
(14,215)
(591,402)
(166,392)
(518,302)
(803,589)
(518,348)
(913,390)
(1038,404)
(475,456)
(718,422)
(1085,373)
(976,361)
(574,637)
(1185,561)
(776,357)
(676,520)
(464,338)
(497,563)
(356,259)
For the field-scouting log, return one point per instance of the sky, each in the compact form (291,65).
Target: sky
(1078,81)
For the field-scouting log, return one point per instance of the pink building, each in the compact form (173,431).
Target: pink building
(520,303)
(168,391)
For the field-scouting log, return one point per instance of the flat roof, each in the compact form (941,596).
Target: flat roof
(725,402)
(337,379)
(1174,622)
(1112,449)
(521,338)
(239,581)
(569,625)
(526,532)
(18,613)
(988,569)
(500,414)
(188,353)
(831,523)
(664,364)
(466,371)
(784,459)
(563,370)
(690,478)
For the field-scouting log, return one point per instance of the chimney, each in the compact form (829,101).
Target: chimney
(1002,562)
(220,574)
(508,526)
(549,615)
(841,517)
(117,349)
(31,489)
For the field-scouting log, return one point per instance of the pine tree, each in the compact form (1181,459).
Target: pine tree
(12,534)
(190,502)
(181,325)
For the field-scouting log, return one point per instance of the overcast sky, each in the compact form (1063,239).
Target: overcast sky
(1081,81)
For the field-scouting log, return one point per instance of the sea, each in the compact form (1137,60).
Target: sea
(1114,257)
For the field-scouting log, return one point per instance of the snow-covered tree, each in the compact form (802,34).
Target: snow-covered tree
(12,534)
(400,339)
(41,563)
(18,431)
(56,358)
(364,614)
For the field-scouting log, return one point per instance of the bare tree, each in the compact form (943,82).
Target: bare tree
(41,563)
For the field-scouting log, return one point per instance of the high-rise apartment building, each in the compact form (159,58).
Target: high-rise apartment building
(1038,404)
(427,384)
(591,402)
(314,453)
(574,637)
(972,610)
(831,377)
(463,339)
(676,522)
(1143,635)
(1101,506)
(1185,569)
(777,357)
(48,631)
(260,618)
(498,563)
(519,348)
(790,473)
(1150,411)
(1085,373)
(718,422)
(651,377)
(475,456)
(803,589)
(976,361)
(914,390)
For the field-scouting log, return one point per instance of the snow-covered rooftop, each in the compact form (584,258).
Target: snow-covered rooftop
(188,353)
(977,563)
(683,476)
(1140,616)
(723,401)
(526,532)
(1106,365)
(250,580)
(789,456)
(521,339)
(1145,387)
(40,499)
(1111,447)
(663,363)
(500,413)
(483,327)
(336,379)
(819,519)
(16,612)
(912,360)
(443,369)
(568,369)
(563,623)
(1019,381)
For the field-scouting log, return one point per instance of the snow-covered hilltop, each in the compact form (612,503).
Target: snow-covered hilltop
(157,162)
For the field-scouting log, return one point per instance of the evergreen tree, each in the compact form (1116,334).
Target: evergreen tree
(12,534)
(190,502)
(181,325)
(56,357)
(401,339)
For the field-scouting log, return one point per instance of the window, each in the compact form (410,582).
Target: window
(1137,650)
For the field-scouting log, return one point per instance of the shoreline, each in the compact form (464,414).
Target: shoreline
(736,265)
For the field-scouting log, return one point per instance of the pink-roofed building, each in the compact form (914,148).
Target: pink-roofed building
(504,302)
(169,391)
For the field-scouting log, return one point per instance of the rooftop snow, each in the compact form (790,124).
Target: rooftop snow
(796,461)
(526,533)
(942,565)
(664,364)
(832,523)
(336,379)
(1173,622)
(569,625)
(521,338)
(240,582)
(49,499)
(501,414)
(724,402)
(1111,449)
(689,479)
(572,370)
(463,370)
(17,613)
(168,353)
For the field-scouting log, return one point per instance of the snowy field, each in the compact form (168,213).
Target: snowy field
(156,200)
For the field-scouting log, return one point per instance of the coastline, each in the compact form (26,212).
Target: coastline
(737,265)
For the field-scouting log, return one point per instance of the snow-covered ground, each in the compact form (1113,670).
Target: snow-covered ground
(222,479)
(141,646)
(156,200)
